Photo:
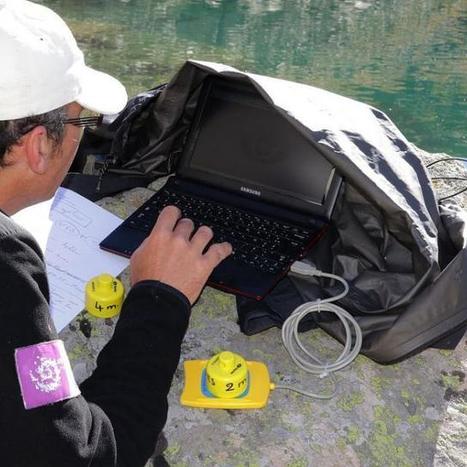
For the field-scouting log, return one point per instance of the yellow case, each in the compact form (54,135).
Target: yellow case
(255,397)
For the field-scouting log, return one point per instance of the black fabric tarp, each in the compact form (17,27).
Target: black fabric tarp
(401,251)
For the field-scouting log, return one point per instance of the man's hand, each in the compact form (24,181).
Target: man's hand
(172,254)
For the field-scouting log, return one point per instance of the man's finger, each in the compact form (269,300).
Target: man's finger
(217,253)
(167,219)
(184,228)
(202,237)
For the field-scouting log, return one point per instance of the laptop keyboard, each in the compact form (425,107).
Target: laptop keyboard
(263,243)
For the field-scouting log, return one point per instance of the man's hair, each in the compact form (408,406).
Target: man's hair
(11,131)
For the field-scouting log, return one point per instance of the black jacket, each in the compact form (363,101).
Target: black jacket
(123,405)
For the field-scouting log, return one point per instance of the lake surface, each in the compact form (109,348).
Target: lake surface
(407,58)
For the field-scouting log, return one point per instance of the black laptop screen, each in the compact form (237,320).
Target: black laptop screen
(240,142)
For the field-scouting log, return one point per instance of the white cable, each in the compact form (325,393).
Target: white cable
(297,351)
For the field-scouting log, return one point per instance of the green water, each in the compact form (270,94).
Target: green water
(405,57)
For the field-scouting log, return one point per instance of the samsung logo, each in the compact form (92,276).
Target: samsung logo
(250,190)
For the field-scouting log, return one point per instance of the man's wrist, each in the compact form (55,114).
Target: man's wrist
(155,286)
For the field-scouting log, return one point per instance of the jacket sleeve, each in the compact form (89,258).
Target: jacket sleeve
(138,364)
(123,404)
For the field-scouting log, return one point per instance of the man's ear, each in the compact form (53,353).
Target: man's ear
(38,149)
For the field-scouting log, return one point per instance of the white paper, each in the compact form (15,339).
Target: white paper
(68,229)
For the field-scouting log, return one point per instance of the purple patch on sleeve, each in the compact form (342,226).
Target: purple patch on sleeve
(45,374)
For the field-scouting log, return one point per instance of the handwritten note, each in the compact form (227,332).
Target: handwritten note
(69,228)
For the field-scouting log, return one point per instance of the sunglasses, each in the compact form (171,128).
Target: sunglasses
(91,121)
(86,121)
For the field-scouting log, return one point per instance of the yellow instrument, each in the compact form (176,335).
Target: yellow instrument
(104,296)
(226,381)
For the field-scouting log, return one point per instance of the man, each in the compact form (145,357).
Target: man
(44,420)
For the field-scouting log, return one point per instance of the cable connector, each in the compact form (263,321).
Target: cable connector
(304,269)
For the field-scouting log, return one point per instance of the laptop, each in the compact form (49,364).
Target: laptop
(254,178)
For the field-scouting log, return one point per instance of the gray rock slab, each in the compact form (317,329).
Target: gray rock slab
(409,414)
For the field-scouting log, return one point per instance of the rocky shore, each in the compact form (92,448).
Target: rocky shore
(454,170)
(413,413)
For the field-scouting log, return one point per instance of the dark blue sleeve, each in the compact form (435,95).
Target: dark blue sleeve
(135,369)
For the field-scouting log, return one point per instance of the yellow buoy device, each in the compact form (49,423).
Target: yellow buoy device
(104,296)
(226,375)
(226,381)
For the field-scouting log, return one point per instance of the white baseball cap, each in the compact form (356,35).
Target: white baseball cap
(42,68)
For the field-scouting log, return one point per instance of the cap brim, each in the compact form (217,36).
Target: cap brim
(101,92)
